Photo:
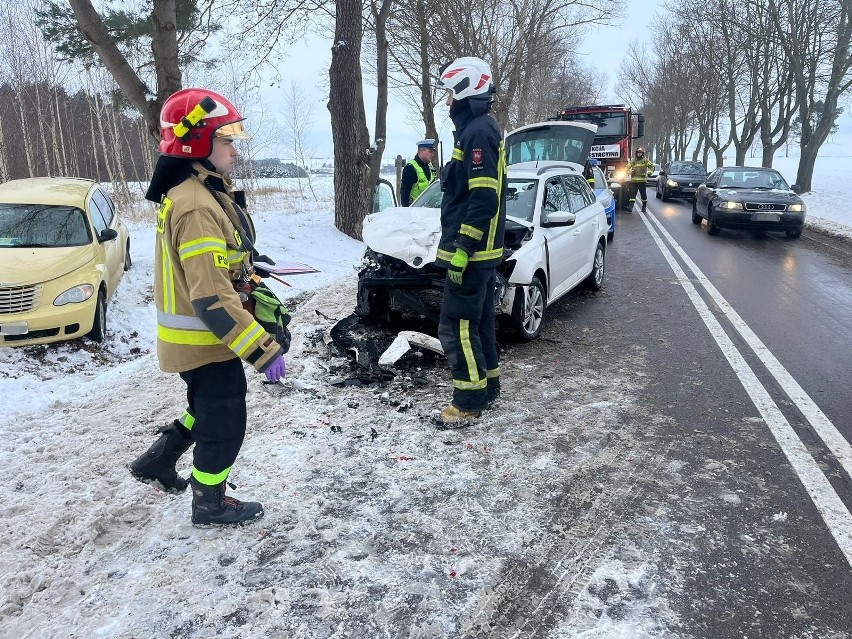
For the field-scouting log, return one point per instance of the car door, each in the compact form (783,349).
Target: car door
(559,238)
(705,191)
(582,202)
(110,251)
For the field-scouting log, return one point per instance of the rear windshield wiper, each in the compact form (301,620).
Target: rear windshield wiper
(34,245)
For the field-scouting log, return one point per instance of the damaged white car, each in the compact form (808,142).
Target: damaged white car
(555,239)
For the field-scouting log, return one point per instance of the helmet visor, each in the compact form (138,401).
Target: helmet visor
(235,131)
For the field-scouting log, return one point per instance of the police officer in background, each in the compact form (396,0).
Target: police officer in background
(473,215)
(418,173)
(204,246)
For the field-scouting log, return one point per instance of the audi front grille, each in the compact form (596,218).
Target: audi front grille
(764,207)
(19,299)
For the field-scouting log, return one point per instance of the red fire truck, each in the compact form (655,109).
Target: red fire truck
(617,126)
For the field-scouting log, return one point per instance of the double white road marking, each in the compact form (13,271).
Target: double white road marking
(837,517)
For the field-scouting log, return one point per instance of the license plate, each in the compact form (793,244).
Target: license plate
(14,329)
(765,217)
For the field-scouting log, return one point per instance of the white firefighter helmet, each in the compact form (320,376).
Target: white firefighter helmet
(467,77)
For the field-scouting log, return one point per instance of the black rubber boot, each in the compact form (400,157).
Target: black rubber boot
(158,462)
(210,506)
(644,206)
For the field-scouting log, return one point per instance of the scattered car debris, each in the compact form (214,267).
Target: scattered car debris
(403,343)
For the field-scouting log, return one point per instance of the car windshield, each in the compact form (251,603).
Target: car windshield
(609,124)
(27,225)
(752,179)
(687,168)
(431,197)
(520,199)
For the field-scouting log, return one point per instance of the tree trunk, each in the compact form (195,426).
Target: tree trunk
(348,120)
(380,17)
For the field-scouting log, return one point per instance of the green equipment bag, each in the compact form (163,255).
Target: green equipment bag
(271,314)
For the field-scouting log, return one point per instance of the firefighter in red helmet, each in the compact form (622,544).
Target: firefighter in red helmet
(204,253)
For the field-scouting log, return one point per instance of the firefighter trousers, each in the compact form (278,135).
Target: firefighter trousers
(216,396)
(467,330)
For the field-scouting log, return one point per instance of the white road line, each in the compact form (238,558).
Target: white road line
(836,443)
(834,513)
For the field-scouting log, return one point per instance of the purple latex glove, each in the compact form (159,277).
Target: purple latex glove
(277,369)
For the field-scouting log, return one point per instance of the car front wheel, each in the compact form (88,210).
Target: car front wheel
(793,235)
(528,310)
(696,218)
(595,279)
(665,195)
(712,227)
(98,332)
(658,193)
(127,261)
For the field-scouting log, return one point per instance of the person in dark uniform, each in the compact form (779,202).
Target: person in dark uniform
(418,173)
(473,215)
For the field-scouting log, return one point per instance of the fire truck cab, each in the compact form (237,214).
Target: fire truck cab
(618,126)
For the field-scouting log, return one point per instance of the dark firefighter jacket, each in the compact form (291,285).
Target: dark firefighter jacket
(198,255)
(473,209)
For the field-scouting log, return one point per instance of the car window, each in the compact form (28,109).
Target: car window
(600,180)
(382,197)
(105,206)
(98,220)
(431,197)
(39,225)
(555,197)
(579,193)
(559,143)
(520,199)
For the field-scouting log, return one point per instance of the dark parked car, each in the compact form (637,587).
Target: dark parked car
(680,179)
(744,197)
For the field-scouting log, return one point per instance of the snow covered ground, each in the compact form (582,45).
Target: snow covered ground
(352,545)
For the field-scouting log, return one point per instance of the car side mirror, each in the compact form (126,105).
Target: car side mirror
(106,235)
(559,218)
(796,188)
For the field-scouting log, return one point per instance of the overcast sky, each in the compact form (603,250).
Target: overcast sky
(307,65)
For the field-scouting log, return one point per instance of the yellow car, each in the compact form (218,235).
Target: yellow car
(63,250)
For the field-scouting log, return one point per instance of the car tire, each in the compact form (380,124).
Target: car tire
(595,279)
(696,218)
(127,261)
(528,311)
(610,237)
(99,326)
(712,227)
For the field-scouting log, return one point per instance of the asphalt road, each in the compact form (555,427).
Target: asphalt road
(736,353)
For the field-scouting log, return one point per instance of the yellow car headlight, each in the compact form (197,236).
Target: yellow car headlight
(797,208)
(74,295)
(671,183)
(735,206)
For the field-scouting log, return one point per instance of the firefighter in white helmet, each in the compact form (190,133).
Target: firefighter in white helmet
(473,215)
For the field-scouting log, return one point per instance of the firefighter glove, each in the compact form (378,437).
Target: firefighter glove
(457,266)
(276,370)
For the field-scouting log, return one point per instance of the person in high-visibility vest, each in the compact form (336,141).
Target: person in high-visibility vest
(418,173)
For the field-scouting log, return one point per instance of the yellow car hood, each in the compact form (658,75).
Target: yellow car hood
(35,265)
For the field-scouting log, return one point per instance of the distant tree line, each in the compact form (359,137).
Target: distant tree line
(726,76)
(44,131)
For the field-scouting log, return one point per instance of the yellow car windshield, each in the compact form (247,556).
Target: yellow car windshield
(39,225)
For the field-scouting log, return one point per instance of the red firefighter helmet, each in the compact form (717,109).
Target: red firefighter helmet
(191,118)
(640,151)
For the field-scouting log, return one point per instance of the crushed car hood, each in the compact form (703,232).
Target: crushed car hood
(410,234)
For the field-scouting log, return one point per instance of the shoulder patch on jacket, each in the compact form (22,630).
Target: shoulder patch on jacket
(476,156)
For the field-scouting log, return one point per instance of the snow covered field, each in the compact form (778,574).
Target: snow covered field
(373,527)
